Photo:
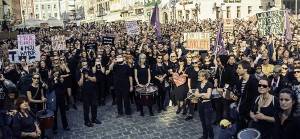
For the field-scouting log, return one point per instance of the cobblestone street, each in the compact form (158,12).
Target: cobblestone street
(166,124)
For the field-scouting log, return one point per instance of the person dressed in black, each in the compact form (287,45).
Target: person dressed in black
(287,120)
(143,77)
(57,84)
(24,125)
(192,84)
(86,80)
(99,72)
(247,90)
(122,85)
(159,72)
(203,92)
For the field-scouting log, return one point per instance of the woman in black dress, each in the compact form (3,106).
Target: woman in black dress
(180,91)
(159,72)
(143,77)
(263,109)
(66,75)
(24,125)
(173,65)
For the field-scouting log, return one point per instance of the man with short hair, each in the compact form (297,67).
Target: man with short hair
(246,92)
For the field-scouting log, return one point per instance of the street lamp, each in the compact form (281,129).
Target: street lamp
(198,9)
(23,12)
(101,9)
(174,10)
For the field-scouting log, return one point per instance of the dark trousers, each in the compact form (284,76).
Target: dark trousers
(241,123)
(100,87)
(64,120)
(89,101)
(123,96)
(191,107)
(205,113)
(222,105)
(161,96)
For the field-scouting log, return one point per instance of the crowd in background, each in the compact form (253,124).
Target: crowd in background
(257,84)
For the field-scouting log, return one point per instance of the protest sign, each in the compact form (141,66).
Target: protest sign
(108,40)
(44,25)
(33,58)
(132,28)
(270,22)
(58,42)
(13,56)
(197,40)
(26,45)
(3,51)
(228,25)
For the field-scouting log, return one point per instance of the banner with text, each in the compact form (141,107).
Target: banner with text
(197,40)
(58,42)
(3,51)
(108,40)
(270,22)
(13,56)
(132,28)
(228,25)
(26,45)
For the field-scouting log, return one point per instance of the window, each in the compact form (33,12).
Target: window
(36,7)
(249,9)
(54,6)
(238,12)
(261,7)
(43,7)
(228,12)
(37,16)
(44,15)
(55,14)
(49,14)
(49,6)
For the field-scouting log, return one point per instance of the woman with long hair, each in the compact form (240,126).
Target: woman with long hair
(143,77)
(263,109)
(66,75)
(56,83)
(287,120)
(180,91)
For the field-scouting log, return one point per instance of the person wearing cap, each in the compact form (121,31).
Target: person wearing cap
(226,130)
(278,81)
(122,85)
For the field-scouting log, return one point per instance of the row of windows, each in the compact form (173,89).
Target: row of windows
(37,16)
(43,6)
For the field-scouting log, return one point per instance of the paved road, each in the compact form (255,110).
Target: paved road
(166,124)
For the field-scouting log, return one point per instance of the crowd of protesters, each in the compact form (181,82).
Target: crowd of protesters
(257,84)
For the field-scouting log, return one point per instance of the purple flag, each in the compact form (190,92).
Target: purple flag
(219,48)
(155,22)
(288,35)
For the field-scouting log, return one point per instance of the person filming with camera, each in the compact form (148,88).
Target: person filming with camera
(86,81)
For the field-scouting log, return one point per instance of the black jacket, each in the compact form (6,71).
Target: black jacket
(226,76)
(290,128)
(23,83)
(283,83)
(246,98)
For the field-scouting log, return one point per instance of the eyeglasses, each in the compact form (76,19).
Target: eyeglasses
(298,63)
(294,55)
(285,68)
(262,85)
(62,60)
(36,78)
(296,72)
(159,58)
(258,68)
(264,59)
(194,62)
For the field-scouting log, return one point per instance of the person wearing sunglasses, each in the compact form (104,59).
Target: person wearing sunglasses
(263,109)
(258,72)
(285,69)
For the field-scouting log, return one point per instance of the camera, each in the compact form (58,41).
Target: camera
(85,71)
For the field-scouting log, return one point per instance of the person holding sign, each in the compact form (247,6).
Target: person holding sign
(263,109)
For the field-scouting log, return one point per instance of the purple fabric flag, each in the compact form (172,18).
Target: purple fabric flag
(288,35)
(155,22)
(219,48)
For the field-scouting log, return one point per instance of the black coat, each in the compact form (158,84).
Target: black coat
(23,83)
(283,83)
(247,96)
